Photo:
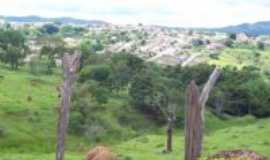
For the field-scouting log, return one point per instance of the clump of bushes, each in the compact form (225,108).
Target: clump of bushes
(2,132)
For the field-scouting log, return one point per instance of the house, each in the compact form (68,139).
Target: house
(242,38)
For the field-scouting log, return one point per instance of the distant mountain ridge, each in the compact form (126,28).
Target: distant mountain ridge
(259,28)
(63,20)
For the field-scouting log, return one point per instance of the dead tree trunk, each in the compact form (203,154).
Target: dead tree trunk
(193,126)
(70,66)
(195,116)
(208,87)
(169,135)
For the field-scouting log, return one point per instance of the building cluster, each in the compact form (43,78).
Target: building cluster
(163,45)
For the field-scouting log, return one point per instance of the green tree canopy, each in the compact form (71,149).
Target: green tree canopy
(13,48)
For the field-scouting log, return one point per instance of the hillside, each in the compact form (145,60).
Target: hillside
(28,128)
(259,28)
(62,20)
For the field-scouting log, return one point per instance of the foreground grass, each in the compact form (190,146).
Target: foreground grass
(253,137)
(27,111)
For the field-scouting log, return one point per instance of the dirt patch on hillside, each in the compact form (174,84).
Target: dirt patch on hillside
(239,154)
(100,153)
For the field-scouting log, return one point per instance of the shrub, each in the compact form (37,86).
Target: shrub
(261,45)
(2,132)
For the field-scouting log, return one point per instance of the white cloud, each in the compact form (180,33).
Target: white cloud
(195,13)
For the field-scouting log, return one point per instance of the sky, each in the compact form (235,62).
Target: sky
(180,13)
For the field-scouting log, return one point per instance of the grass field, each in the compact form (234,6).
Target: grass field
(28,113)
(241,57)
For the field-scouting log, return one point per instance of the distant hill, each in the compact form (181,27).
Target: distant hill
(63,20)
(259,28)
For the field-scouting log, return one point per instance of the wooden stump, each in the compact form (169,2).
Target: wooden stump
(193,126)
(195,106)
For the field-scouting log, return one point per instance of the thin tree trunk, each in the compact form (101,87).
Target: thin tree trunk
(70,66)
(208,87)
(169,136)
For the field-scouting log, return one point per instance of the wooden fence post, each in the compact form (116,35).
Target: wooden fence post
(70,65)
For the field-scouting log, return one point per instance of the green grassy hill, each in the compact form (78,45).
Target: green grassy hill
(242,56)
(250,135)
(28,114)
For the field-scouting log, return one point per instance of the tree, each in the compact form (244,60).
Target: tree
(124,67)
(197,42)
(49,29)
(89,48)
(53,47)
(237,93)
(232,36)
(147,93)
(13,48)
(95,79)
(261,45)
(69,30)
(170,110)
(228,43)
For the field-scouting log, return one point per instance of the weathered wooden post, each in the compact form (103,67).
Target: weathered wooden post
(70,65)
(169,134)
(195,106)
(193,126)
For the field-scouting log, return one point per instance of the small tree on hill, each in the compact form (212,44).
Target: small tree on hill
(13,48)
(49,29)
(53,48)
(261,45)
(232,36)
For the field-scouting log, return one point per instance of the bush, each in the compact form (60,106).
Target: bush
(2,132)
(232,36)
(197,42)
(98,73)
(241,92)
(261,45)
(49,29)
(37,66)
(228,43)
